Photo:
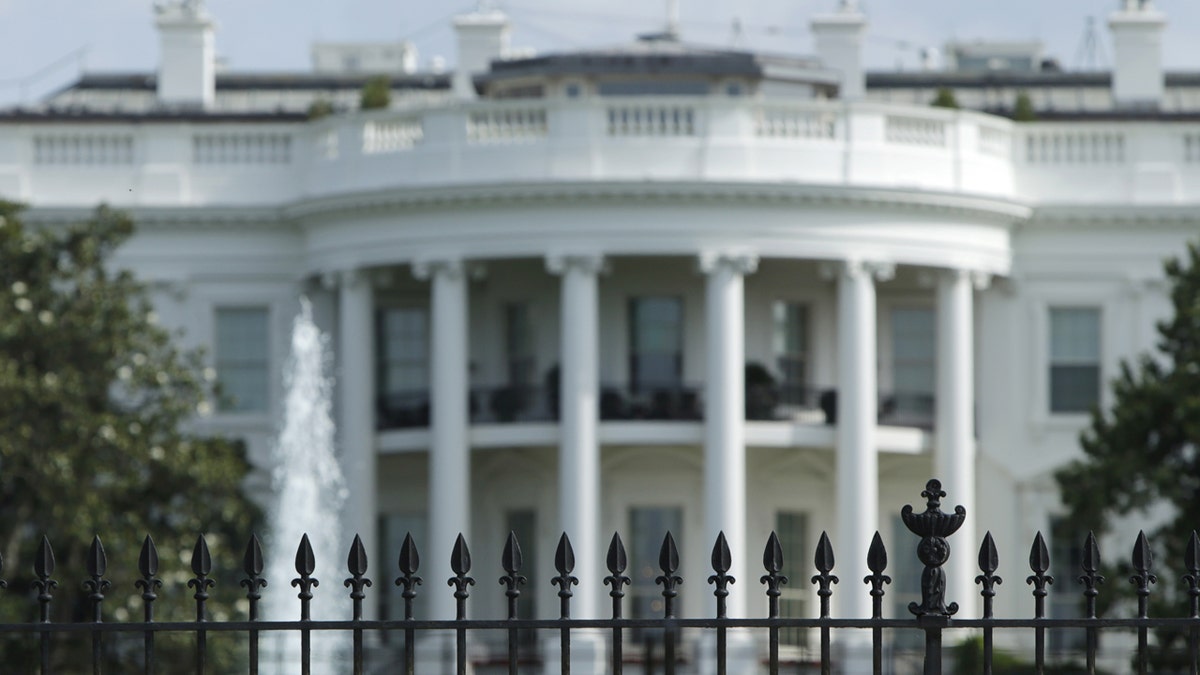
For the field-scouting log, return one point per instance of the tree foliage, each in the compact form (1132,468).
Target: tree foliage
(1023,108)
(945,98)
(1142,451)
(94,439)
(376,93)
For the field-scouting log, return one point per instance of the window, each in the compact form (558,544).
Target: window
(1074,359)
(404,350)
(790,346)
(656,343)
(649,524)
(792,530)
(914,366)
(518,344)
(243,358)
(403,367)
(573,90)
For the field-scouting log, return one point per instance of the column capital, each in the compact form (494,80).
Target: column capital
(424,269)
(739,262)
(333,280)
(589,263)
(877,270)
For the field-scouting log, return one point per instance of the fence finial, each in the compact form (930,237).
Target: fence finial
(933,526)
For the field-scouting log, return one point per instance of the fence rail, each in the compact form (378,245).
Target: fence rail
(933,615)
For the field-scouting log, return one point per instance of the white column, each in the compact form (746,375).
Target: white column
(725,415)
(579,453)
(449,455)
(579,450)
(356,394)
(857,484)
(954,452)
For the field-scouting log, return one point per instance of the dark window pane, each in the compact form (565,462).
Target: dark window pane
(1074,389)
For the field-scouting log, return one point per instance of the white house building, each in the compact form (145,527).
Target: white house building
(654,287)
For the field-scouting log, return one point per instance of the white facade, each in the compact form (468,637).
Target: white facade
(939,270)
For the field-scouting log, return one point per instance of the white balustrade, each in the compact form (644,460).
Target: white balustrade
(505,124)
(913,130)
(1074,146)
(242,148)
(83,149)
(396,135)
(651,119)
(784,121)
(995,141)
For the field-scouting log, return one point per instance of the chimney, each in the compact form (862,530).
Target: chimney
(1137,80)
(187,67)
(838,37)
(482,36)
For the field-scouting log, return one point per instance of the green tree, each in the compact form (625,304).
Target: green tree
(1023,108)
(944,99)
(1142,451)
(96,401)
(376,93)
(320,108)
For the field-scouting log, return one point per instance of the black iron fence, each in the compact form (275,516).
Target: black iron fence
(932,616)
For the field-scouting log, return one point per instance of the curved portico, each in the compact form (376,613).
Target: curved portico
(843,251)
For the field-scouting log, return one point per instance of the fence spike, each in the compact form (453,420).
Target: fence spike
(773,564)
(1039,562)
(306,562)
(989,562)
(252,565)
(510,561)
(564,555)
(1143,565)
(201,567)
(460,563)
(877,563)
(1191,561)
(97,565)
(616,579)
(668,562)
(409,562)
(410,559)
(97,561)
(43,562)
(148,558)
(722,560)
(201,559)
(1090,579)
(356,560)
(824,563)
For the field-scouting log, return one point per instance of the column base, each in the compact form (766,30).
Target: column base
(741,652)
(589,653)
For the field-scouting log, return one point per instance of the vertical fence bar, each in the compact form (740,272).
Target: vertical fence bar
(356,564)
(252,565)
(201,567)
(511,561)
(96,584)
(877,563)
(1191,561)
(1143,563)
(1039,562)
(721,562)
(43,567)
(773,563)
(409,562)
(460,563)
(306,564)
(564,564)
(617,562)
(989,561)
(1091,581)
(149,583)
(824,564)
(668,562)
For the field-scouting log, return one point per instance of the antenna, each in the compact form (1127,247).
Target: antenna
(673,18)
(1090,54)
(736,35)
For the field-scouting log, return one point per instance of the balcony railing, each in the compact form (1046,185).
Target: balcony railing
(514,404)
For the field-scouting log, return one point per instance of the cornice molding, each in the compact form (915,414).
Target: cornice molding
(171,217)
(1114,215)
(976,207)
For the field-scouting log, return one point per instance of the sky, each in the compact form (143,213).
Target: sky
(44,44)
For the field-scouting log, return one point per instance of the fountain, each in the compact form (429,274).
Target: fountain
(309,493)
